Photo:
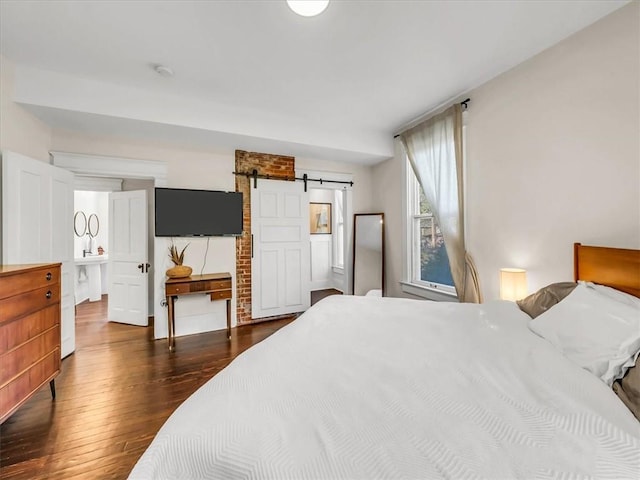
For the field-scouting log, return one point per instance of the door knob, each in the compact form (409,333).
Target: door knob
(144,267)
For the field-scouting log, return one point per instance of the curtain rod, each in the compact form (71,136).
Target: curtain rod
(464,104)
(255,175)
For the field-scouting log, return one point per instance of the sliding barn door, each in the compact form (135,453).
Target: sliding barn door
(280,263)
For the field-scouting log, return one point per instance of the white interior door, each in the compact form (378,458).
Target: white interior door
(128,258)
(280,263)
(26,217)
(37,225)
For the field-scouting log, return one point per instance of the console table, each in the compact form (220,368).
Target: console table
(217,285)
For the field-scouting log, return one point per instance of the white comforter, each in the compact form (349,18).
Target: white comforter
(366,387)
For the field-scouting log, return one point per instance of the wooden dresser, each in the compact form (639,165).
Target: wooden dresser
(29,332)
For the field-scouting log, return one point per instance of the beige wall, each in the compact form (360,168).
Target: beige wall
(20,131)
(388,184)
(553,157)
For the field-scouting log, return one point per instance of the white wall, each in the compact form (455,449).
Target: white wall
(553,157)
(20,131)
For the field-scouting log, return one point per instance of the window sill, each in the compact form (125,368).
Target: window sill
(428,293)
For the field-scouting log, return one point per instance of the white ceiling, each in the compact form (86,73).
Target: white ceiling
(253,75)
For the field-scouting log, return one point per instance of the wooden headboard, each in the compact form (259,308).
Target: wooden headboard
(614,267)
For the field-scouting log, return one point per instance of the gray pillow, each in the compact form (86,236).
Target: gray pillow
(628,389)
(545,298)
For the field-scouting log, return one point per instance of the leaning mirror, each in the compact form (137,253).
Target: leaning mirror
(368,254)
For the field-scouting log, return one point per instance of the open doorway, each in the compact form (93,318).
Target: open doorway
(127,168)
(90,245)
(328,240)
(93,224)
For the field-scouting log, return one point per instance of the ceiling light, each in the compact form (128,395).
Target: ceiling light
(163,70)
(308,8)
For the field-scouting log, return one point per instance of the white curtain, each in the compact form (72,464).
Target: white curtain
(434,148)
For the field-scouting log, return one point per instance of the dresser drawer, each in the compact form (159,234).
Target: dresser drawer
(16,392)
(25,303)
(19,331)
(21,358)
(29,280)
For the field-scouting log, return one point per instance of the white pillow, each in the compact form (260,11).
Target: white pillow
(615,294)
(596,329)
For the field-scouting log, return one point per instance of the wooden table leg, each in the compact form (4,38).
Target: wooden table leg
(229,319)
(171,320)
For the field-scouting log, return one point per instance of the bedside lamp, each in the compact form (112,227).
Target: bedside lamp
(513,284)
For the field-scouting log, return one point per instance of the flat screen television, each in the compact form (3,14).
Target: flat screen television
(197,213)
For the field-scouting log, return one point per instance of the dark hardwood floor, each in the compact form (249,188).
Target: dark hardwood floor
(113,395)
(318,295)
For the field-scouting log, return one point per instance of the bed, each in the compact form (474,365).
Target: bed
(370,387)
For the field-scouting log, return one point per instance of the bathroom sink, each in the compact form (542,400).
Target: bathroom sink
(91,259)
(89,271)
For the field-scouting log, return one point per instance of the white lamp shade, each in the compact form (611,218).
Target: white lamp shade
(308,8)
(513,284)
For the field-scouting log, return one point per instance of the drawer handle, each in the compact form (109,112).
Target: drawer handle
(48,294)
(49,276)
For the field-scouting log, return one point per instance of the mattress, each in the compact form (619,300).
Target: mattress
(370,387)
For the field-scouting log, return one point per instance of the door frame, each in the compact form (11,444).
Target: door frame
(120,167)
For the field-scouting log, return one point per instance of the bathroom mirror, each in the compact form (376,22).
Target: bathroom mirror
(79,223)
(93,224)
(368,254)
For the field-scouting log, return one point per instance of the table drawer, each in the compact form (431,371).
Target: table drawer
(198,286)
(19,305)
(220,294)
(30,280)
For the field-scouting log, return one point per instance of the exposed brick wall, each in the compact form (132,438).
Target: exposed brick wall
(277,167)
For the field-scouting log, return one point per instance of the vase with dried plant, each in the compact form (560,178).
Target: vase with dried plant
(179,270)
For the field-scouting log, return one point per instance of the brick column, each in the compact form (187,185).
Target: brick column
(278,167)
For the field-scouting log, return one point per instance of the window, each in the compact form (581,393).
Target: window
(338,237)
(427,262)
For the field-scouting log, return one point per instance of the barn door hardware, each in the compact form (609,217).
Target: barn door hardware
(255,176)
